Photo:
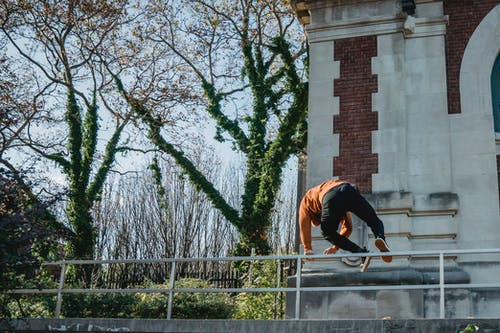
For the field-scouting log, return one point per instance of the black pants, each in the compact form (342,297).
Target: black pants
(336,202)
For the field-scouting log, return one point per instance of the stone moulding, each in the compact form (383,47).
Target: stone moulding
(433,204)
(379,25)
(392,276)
(322,26)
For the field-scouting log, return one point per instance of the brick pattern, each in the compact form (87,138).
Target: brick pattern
(464,17)
(356,163)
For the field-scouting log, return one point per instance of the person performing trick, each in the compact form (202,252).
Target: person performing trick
(328,205)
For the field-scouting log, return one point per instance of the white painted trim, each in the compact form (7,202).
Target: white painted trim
(479,56)
(433,236)
(355,28)
(425,27)
(412,27)
(410,212)
(473,137)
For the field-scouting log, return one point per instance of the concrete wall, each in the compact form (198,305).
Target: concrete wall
(246,326)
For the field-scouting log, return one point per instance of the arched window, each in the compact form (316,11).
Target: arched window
(495,92)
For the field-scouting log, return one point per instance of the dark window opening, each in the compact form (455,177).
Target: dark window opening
(495,93)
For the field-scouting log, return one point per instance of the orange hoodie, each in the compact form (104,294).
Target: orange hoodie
(310,212)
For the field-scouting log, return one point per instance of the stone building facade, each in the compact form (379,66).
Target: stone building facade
(403,100)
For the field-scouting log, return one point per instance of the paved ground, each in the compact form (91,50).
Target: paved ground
(247,326)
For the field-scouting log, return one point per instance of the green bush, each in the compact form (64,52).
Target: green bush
(186,305)
(116,305)
(29,234)
(98,305)
(150,305)
(34,306)
(22,306)
(469,328)
(262,305)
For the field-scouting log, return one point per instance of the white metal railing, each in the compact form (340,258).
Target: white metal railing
(439,254)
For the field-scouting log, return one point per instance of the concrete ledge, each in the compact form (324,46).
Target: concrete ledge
(377,303)
(246,326)
(398,276)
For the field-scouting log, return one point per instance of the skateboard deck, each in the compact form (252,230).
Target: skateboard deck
(365,265)
(368,260)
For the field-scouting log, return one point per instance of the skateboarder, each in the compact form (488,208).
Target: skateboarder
(328,205)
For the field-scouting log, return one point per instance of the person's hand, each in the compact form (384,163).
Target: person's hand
(331,250)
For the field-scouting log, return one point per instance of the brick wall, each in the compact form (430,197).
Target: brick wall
(356,163)
(464,16)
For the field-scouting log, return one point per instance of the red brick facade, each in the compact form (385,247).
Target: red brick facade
(356,162)
(464,17)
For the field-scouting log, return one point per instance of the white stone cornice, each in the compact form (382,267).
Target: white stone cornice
(412,27)
(410,212)
(355,28)
(434,236)
(410,235)
(424,27)
(315,4)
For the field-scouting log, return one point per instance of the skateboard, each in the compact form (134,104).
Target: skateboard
(379,244)
(365,265)
(368,260)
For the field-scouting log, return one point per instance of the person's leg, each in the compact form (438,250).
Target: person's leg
(358,205)
(333,209)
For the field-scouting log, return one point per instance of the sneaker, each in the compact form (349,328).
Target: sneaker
(383,247)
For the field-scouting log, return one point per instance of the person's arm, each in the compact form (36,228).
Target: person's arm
(305,229)
(346,223)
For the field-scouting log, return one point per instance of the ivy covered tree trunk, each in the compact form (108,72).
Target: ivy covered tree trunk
(84,189)
(264,67)
(67,78)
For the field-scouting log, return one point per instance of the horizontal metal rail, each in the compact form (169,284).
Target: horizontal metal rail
(254,290)
(439,254)
(430,253)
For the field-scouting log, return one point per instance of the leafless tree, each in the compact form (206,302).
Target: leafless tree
(137,222)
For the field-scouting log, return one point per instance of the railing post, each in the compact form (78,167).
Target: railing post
(171,290)
(441,285)
(298,278)
(59,290)
(277,296)
(250,269)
